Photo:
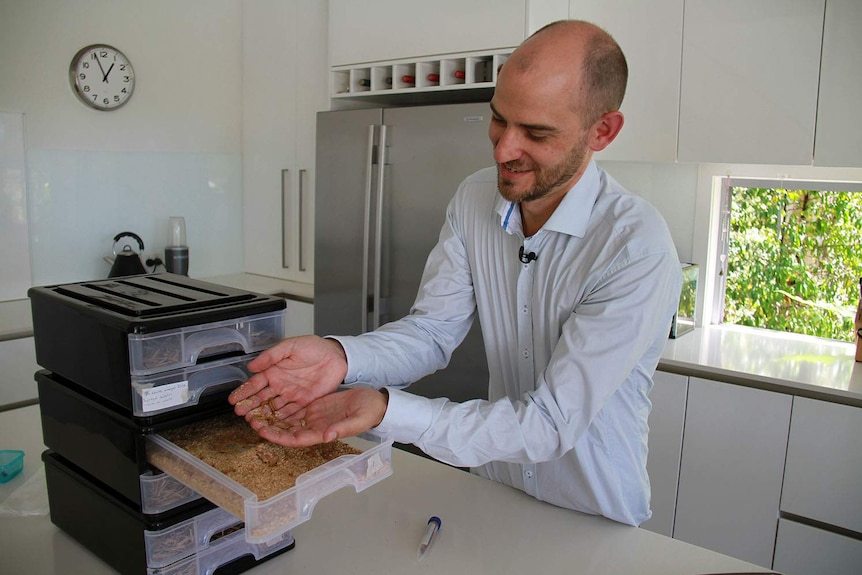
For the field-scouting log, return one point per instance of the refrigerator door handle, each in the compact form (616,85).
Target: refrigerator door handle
(378,225)
(366,239)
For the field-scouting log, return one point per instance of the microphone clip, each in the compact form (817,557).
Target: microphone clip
(526,257)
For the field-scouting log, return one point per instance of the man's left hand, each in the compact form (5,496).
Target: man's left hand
(337,415)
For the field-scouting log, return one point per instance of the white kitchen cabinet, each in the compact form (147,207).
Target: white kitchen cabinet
(749,81)
(805,550)
(731,469)
(299,318)
(650,35)
(838,140)
(284,86)
(398,52)
(666,421)
(823,476)
(17,384)
(394,29)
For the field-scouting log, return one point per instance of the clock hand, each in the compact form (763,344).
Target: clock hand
(108,72)
(99,62)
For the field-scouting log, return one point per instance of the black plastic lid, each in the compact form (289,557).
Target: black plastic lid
(151,295)
(153,302)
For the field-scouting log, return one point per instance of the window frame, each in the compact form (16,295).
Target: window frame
(708,210)
(726,185)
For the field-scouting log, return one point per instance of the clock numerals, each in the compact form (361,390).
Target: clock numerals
(103,88)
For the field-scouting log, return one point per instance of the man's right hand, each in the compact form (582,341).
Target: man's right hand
(290,375)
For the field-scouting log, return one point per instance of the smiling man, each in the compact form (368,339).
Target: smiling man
(574,280)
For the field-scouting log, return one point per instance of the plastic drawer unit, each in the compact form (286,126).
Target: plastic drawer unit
(183,388)
(182,347)
(109,446)
(267,520)
(205,543)
(201,542)
(103,335)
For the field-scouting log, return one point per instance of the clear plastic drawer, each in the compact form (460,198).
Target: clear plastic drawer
(192,536)
(180,388)
(223,551)
(167,350)
(161,492)
(269,519)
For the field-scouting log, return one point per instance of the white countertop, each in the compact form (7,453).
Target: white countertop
(783,362)
(487,528)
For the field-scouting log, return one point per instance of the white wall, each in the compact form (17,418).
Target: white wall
(174,149)
(668,187)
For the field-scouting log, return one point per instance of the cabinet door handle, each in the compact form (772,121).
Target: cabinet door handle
(299,214)
(285,206)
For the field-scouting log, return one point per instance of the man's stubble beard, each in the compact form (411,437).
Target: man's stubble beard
(546,182)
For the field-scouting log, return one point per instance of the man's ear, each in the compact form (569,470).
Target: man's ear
(605,130)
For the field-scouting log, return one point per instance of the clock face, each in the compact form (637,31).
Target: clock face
(102,77)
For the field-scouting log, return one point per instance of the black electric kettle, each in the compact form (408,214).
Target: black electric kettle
(127,262)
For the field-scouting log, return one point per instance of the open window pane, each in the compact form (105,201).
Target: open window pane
(793,258)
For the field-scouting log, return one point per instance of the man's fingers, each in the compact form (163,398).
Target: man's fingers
(250,387)
(290,436)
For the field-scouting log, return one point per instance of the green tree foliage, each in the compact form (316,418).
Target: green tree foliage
(794,261)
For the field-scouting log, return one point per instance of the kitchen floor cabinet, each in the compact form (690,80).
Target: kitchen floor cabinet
(750,80)
(284,86)
(666,421)
(299,318)
(18,358)
(838,140)
(731,469)
(650,36)
(805,550)
(821,501)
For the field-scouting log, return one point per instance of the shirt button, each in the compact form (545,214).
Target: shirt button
(528,474)
(526,353)
(524,309)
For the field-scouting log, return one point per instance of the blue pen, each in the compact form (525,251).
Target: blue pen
(430,533)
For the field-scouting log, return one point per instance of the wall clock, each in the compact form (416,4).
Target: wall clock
(102,77)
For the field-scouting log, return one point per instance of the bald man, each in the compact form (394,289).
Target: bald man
(573,278)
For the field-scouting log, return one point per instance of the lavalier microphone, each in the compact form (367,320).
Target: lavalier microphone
(526,257)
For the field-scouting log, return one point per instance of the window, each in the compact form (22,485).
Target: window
(789,256)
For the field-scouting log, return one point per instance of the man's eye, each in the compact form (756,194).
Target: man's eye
(537,137)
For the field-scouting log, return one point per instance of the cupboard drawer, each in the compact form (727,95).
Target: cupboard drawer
(824,464)
(805,550)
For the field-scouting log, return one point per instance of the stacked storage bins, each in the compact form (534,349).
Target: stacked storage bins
(125,359)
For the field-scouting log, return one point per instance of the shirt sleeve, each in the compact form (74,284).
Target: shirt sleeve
(402,352)
(628,308)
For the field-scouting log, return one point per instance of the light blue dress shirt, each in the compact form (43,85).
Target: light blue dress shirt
(572,340)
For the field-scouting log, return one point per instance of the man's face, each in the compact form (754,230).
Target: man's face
(540,144)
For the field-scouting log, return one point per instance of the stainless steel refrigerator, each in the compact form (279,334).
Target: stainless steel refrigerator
(375,227)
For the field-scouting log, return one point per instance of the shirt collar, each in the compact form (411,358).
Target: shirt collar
(570,217)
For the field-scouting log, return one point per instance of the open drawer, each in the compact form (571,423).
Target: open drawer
(268,519)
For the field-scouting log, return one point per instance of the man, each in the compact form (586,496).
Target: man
(573,329)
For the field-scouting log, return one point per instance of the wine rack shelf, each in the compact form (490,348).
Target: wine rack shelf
(458,72)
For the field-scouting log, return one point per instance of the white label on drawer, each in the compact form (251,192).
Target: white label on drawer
(164,396)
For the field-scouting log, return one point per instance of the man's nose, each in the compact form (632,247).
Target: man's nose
(507,146)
